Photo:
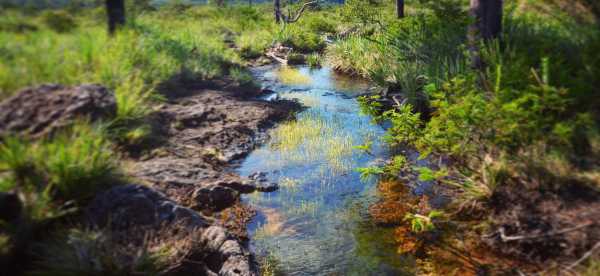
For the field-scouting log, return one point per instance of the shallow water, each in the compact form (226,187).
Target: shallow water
(317,222)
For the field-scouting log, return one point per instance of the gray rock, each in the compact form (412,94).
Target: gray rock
(132,206)
(267,187)
(214,197)
(41,110)
(135,206)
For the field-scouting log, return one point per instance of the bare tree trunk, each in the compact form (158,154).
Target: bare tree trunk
(400,8)
(277,10)
(487,26)
(116,14)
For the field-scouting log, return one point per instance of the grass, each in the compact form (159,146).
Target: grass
(313,137)
(141,63)
(290,75)
(77,251)
(72,166)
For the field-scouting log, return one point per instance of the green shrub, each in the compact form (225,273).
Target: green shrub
(299,39)
(59,21)
(354,55)
(241,76)
(320,25)
(313,60)
(15,22)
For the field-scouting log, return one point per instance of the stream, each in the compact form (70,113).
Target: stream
(317,223)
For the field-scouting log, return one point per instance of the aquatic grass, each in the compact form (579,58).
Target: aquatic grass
(289,184)
(304,208)
(314,137)
(314,60)
(290,75)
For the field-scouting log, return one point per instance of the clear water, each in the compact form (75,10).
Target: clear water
(317,222)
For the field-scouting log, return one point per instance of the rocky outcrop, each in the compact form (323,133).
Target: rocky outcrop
(207,131)
(137,207)
(38,111)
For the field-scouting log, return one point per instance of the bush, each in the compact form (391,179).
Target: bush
(300,39)
(59,21)
(320,25)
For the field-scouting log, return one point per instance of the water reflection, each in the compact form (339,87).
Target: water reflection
(317,223)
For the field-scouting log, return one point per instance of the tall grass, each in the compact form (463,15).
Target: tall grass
(73,165)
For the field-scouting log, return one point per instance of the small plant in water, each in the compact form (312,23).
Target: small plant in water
(369,172)
(421,223)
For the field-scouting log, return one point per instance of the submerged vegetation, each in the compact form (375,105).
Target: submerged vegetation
(504,124)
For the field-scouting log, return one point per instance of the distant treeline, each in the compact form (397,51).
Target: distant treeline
(94,3)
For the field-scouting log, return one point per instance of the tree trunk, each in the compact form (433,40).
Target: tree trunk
(400,8)
(277,10)
(116,14)
(487,26)
(488,18)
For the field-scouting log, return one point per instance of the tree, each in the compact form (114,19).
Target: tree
(289,18)
(277,10)
(400,8)
(488,18)
(487,25)
(116,14)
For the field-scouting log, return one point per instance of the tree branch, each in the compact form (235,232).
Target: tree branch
(286,19)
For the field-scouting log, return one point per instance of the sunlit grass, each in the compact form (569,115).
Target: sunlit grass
(314,137)
(290,75)
(290,184)
(305,208)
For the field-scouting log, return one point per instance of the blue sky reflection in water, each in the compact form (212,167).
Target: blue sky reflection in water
(317,223)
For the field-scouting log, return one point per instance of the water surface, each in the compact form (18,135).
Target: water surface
(317,222)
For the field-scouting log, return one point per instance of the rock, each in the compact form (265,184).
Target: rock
(38,111)
(267,91)
(134,206)
(267,187)
(214,197)
(244,187)
(11,206)
(257,175)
